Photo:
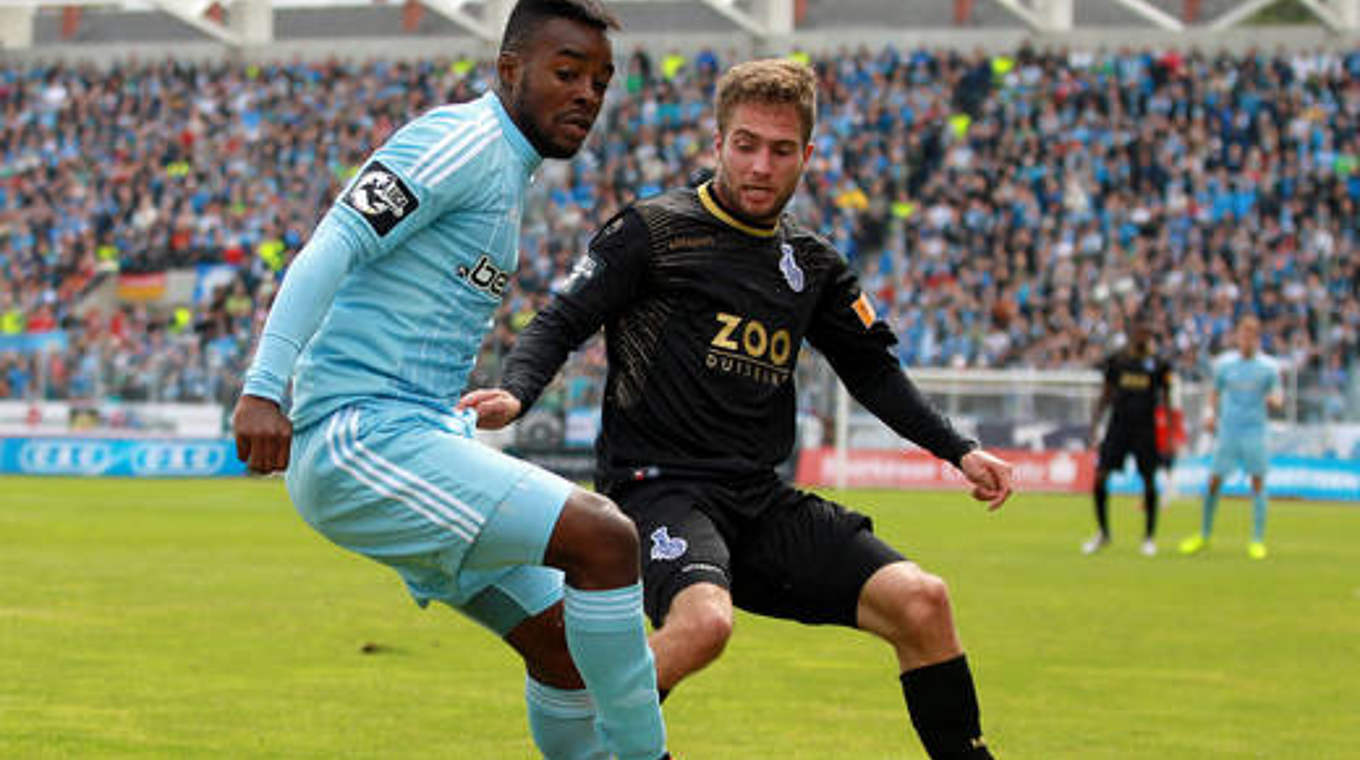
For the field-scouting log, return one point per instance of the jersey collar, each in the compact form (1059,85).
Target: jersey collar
(518,142)
(710,203)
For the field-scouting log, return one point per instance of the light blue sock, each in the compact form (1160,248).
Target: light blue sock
(562,722)
(1258,515)
(1210,506)
(608,641)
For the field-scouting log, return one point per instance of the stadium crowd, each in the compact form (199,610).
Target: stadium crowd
(1002,210)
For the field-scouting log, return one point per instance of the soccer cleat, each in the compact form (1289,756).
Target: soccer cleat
(1149,548)
(1256,550)
(1095,543)
(1194,544)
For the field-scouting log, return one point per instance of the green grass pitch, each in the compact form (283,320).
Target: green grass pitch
(203,619)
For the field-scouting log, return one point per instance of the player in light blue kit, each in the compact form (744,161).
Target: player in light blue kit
(383,313)
(1245,383)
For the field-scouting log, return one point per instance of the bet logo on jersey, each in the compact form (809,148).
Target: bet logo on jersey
(382,198)
(485,276)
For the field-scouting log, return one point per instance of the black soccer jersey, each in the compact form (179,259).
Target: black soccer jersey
(1139,384)
(704,316)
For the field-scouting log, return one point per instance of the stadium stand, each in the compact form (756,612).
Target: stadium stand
(1004,210)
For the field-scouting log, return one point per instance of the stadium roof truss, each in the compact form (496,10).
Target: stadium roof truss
(246,23)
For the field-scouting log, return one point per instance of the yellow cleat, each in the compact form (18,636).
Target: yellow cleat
(1256,550)
(1194,544)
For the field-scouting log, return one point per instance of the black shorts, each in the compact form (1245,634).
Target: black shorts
(781,552)
(1122,440)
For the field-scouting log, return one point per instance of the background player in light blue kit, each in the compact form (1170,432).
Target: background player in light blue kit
(383,313)
(1245,383)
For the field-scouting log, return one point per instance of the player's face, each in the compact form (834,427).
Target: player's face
(760,159)
(556,87)
(1248,338)
(1142,337)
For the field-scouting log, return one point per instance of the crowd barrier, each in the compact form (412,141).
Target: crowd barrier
(1050,471)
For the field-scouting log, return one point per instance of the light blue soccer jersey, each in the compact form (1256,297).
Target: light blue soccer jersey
(391,297)
(1243,385)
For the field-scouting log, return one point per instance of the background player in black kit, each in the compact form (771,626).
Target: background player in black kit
(1136,381)
(706,296)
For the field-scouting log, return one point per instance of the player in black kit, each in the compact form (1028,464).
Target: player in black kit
(1136,382)
(706,295)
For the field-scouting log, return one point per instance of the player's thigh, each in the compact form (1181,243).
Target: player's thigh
(807,559)
(1227,455)
(402,489)
(681,544)
(1145,454)
(1114,449)
(1255,455)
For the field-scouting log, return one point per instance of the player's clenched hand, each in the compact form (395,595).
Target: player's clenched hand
(263,434)
(495,408)
(990,476)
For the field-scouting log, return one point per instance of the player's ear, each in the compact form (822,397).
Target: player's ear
(807,152)
(509,66)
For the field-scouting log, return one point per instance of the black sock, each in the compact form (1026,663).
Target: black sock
(944,710)
(1102,506)
(1150,507)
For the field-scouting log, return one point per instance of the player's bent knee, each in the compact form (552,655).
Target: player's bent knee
(594,543)
(912,601)
(709,626)
(927,600)
(613,531)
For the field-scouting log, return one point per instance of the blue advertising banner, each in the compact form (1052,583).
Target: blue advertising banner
(1287,476)
(138,458)
(27,343)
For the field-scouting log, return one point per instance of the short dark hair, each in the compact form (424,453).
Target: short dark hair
(529,15)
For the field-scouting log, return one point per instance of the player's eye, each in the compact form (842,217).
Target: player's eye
(565,75)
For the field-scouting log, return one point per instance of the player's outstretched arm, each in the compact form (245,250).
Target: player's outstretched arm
(990,475)
(495,407)
(263,434)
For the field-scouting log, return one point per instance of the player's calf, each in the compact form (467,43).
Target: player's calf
(596,546)
(910,609)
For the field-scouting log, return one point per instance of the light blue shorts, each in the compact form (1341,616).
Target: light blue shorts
(1237,449)
(461,522)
